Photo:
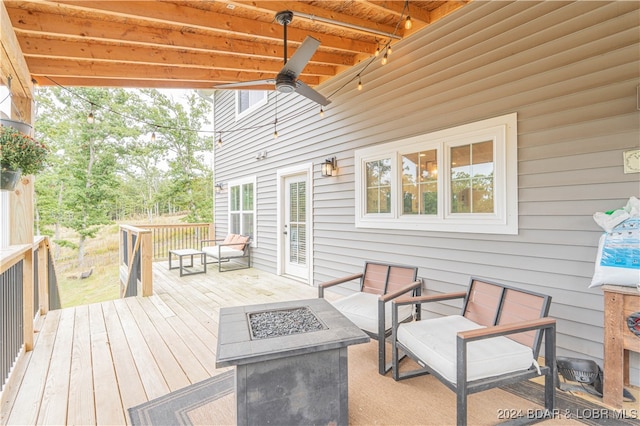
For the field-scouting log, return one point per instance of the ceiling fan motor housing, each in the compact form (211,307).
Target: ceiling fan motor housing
(285,83)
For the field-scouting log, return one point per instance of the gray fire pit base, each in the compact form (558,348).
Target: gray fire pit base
(298,390)
(296,379)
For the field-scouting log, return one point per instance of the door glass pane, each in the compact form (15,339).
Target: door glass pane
(472,183)
(297,223)
(379,186)
(293,202)
(302,202)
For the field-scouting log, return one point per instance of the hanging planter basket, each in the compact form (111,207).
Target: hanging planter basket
(18,125)
(9,178)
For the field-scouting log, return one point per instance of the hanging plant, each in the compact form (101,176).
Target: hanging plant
(19,151)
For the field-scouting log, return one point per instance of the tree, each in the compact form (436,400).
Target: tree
(184,149)
(86,164)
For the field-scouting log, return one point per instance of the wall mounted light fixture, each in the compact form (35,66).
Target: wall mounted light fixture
(219,188)
(329,167)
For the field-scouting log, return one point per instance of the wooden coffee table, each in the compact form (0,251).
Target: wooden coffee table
(181,254)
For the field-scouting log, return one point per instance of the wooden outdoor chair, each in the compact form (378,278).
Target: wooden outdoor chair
(369,308)
(234,247)
(495,341)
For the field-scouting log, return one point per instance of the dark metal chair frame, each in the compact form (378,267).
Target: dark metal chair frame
(542,325)
(387,291)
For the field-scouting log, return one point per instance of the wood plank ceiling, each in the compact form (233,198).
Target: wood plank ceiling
(199,44)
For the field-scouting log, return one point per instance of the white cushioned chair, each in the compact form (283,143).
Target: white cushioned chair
(233,247)
(495,341)
(369,308)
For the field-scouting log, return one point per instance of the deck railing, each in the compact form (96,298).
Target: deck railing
(141,245)
(135,261)
(178,236)
(28,289)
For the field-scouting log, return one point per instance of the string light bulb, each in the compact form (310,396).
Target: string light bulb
(384,58)
(389,51)
(321,112)
(275,134)
(359,82)
(377,51)
(220,141)
(275,128)
(153,136)
(90,118)
(407,23)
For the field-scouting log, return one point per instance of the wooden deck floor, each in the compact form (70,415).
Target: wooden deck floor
(92,362)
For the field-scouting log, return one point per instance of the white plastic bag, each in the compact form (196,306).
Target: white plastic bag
(618,260)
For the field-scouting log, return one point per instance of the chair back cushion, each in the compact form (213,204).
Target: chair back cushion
(238,242)
(382,278)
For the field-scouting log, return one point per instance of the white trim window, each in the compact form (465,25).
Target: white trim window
(248,101)
(462,179)
(242,207)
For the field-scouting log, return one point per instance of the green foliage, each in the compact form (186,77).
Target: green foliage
(112,169)
(66,243)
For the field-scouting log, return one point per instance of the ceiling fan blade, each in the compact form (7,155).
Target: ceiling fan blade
(299,60)
(245,84)
(308,92)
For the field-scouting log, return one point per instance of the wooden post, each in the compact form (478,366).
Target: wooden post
(212,232)
(146,263)
(27,291)
(43,276)
(619,303)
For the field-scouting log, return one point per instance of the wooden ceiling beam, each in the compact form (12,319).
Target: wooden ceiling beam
(44,81)
(12,63)
(194,43)
(34,46)
(397,7)
(182,15)
(277,6)
(79,68)
(94,29)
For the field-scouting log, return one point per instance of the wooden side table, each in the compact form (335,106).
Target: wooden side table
(619,303)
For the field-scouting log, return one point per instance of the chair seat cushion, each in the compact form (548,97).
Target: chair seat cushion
(433,341)
(225,252)
(362,310)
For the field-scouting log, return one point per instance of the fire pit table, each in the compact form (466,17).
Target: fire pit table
(291,361)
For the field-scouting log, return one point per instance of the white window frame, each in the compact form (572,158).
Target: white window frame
(240,182)
(504,220)
(253,107)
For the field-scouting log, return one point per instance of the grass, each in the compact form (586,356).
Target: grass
(101,254)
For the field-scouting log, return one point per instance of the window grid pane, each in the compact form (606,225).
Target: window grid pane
(241,204)
(472,184)
(379,186)
(419,183)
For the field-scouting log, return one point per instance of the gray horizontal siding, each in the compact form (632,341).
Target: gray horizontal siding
(569,70)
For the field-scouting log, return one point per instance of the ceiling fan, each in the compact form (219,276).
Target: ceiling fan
(287,79)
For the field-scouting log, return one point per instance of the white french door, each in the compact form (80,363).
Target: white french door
(295,227)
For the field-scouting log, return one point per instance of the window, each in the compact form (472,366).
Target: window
(248,101)
(462,179)
(242,208)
